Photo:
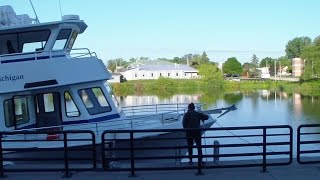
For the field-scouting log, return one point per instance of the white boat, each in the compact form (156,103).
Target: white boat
(46,84)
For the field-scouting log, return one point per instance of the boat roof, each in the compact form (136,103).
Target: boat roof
(30,27)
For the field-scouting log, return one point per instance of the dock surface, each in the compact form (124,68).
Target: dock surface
(294,171)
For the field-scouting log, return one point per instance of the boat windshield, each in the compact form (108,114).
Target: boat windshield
(114,99)
(23,42)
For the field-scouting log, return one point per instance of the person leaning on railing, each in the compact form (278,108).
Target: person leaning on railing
(191,120)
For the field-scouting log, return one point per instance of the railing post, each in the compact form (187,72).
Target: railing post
(264,162)
(94,150)
(298,143)
(216,151)
(1,158)
(291,144)
(65,150)
(103,151)
(132,155)
(200,160)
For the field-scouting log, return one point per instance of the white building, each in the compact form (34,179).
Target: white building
(264,72)
(116,78)
(297,67)
(154,71)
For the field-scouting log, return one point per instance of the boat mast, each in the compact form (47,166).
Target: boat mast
(37,19)
(60,9)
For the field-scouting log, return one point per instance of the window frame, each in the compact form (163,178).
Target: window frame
(99,108)
(65,104)
(66,43)
(13,114)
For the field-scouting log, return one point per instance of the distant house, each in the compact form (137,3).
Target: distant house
(116,78)
(264,72)
(156,69)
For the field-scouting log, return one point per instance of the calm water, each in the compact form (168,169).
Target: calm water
(255,108)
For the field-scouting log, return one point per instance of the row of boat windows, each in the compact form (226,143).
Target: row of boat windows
(35,41)
(17,111)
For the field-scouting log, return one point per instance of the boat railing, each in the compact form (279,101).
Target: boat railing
(51,54)
(156,109)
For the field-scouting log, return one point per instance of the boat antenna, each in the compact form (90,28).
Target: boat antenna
(60,9)
(37,19)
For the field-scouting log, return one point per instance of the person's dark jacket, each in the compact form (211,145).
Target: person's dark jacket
(192,119)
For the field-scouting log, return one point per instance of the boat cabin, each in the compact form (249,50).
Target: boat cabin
(45,83)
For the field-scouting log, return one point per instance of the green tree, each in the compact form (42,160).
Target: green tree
(232,66)
(255,65)
(295,46)
(204,58)
(114,63)
(246,67)
(111,65)
(211,76)
(311,56)
(266,62)
(316,41)
(132,60)
(284,61)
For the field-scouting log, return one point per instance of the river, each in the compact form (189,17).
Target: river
(254,108)
(261,107)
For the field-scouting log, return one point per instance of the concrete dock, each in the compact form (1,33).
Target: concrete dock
(294,171)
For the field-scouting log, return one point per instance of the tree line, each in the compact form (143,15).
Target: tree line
(302,47)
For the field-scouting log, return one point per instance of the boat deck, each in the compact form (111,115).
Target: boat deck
(294,171)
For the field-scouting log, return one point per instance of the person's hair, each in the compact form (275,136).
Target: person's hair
(191,106)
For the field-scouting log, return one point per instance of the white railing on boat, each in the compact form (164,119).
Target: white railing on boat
(155,109)
(70,53)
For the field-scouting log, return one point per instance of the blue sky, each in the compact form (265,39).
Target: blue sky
(169,28)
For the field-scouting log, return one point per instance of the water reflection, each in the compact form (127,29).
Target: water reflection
(262,107)
(134,100)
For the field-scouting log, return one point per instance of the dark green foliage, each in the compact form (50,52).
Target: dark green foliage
(232,66)
(211,76)
(311,56)
(295,46)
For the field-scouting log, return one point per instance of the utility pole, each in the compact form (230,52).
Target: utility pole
(275,70)
(187,59)
(280,68)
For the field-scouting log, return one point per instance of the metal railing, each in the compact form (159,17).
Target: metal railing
(308,144)
(265,145)
(44,151)
(122,150)
(156,108)
(39,55)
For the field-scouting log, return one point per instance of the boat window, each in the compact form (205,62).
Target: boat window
(71,108)
(33,41)
(62,39)
(17,113)
(72,39)
(8,44)
(48,102)
(94,100)
(85,98)
(114,99)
